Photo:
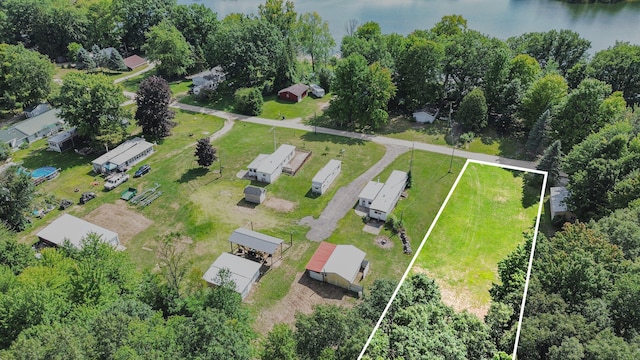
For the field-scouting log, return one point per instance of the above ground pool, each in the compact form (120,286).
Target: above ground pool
(44,172)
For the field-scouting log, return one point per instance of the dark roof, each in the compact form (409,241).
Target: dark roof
(254,190)
(134,61)
(297,89)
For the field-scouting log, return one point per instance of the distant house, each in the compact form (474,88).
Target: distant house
(325,176)
(32,129)
(557,203)
(267,168)
(255,194)
(207,80)
(316,90)
(242,272)
(293,93)
(36,110)
(338,265)
(134,61)
(69,227)
(62,141)
(386,197)
(125,155)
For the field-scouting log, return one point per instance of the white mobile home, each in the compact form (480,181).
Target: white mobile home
(369,193)
(325,176)
(69,227)
(388,196)
(268,168)
(62,141)
(125,155)
(242,272)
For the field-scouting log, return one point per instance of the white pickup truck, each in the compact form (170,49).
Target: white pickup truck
(115,180)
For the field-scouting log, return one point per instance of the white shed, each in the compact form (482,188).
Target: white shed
(123,156)
(557,202)
(268,168)
(388,196)
(255,194)
(62,141)
(69,227)
(317,90)
(242,272)
(325,176)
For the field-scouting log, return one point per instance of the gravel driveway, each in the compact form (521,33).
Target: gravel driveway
(346,197)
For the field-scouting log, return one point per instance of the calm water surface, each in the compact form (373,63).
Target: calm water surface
(601,24)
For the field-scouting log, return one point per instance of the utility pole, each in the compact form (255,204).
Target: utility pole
(220,161)
(453,144)
(411,161)
(274,138)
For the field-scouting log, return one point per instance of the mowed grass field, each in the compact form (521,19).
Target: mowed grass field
(482,223)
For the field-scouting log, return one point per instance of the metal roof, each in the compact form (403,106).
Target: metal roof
(73,228)
(557,199)
(254,190)
(271,163)
(256,162)
(10,135)
(385,201)
(371,190)
(37,123)
(134,61)
(123,152)
(255,240)
(242,271)
(320,257)
(324,173)
(63,136)
(297,89)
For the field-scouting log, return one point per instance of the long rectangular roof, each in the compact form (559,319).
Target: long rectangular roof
(242,271)
(255,240)
(392,188)
(342,260)
(271,163)
(322,175)
(124,151)
(73,228)
(37,123)
(557,199)
(63,136)
(256,162)
(371,190)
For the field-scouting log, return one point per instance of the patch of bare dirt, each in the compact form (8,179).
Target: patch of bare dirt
(459,299)
(383,242)
(304,295)
(119,218)
(278,204)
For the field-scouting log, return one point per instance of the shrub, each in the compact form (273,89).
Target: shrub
(248,101)
(325,76)
(5,151)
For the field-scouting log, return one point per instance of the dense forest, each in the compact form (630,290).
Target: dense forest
(572,112)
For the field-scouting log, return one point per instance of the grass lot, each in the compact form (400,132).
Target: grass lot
(114,75)
(480,225)
(178,87)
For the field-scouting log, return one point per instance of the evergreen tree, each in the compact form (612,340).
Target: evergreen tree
(99,56)
(84,61)
(538,135)
(153,113)
(115,61)
(550,161)
(205,153)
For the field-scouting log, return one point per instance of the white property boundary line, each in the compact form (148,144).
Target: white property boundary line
(435,220)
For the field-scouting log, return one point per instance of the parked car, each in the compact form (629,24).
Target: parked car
(115,180)
(142,170)
(85,197)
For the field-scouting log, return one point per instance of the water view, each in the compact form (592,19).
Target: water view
(602,24)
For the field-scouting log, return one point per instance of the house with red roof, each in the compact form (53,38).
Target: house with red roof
(293,93)
(134,61)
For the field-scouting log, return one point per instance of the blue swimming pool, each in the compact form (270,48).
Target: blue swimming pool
(45,172)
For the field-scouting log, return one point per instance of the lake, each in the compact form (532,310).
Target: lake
(602,24)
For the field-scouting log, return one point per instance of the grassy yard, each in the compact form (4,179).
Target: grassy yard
(481,224)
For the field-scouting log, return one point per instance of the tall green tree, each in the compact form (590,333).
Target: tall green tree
(361,94)
(369,42)
(16,194)
(168,46)
(618,66)
(91,103)
(136,17)
(551,162)
(544,94)
(205,152)
(314,38)
(152,112)
(25,77)
(472,113)
(16,256)
(279,13)
(197,23)
(418,72)
(538,136)
(100,27)
(280,344)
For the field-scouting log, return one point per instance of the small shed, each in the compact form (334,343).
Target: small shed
(325,176)
(62,141)
(339,265)
(557,202)
(123,156)
(255,194)
(294,93)
(316,90)
(369,193)
(134,61)
(69,227)
(242,272)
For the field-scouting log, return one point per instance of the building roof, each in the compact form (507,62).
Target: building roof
(75,229)
(255,240)
(342,260)
(63,136)
(123,152)
(321,256)
(557,199)
(36,110)
(315,87)
(37,123)
(242,271)
(254,190)
(371,190)
(256,162)
(10,135)
(134,61)
(271,163)
(322,175)
(297,89)
(385,201)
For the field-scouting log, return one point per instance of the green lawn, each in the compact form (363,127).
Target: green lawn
(481,224)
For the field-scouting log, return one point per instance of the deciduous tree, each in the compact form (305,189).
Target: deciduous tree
(418,72)
(544,94)
(16,194)
(280,344)
(618,66)
(153,113)
(314,38)
(168,46)
(248,101)
(136,17)
(472,113)
(25,77)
